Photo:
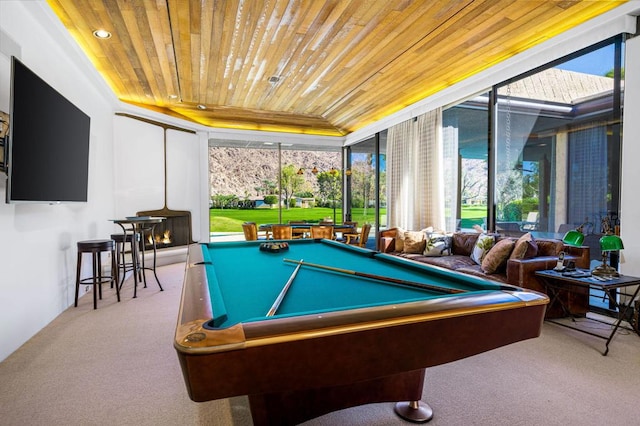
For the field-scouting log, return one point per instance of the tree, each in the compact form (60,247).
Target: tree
(474,181)
(531,181)
(363,182)
(329,186)
(610,73)
(291,182)
(266,187)
(220,201)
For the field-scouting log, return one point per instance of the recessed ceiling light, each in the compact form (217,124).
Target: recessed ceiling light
(173,96)
(101,34)
(202,107)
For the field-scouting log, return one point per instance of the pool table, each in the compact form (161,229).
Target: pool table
(338,338)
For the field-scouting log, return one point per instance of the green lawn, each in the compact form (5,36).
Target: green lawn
(473,215)
(230,220)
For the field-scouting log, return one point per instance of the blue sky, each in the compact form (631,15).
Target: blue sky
(598,62)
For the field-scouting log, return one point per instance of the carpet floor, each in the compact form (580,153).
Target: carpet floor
(116,366)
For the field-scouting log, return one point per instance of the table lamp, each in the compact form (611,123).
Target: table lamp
(573,238)
(608,243)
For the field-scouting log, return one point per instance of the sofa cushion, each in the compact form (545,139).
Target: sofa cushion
(462,243)
(549,247)
(496,258)
(525,247)
(477,271)
(437,245)
(414,242)
(483,245)
(450,262)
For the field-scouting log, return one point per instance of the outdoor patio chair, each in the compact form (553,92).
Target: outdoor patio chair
(359,239)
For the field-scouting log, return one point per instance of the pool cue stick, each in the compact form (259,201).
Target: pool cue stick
(284,290)
(380,278)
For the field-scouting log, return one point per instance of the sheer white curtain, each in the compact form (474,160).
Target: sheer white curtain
(400,175)
(415,173)
(430,166)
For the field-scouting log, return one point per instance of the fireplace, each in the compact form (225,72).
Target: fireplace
(173,232)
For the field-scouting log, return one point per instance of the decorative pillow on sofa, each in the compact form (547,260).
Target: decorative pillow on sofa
(496,258)
(483,245)
(414,242)
(399,240)
(525,248)
(437,245)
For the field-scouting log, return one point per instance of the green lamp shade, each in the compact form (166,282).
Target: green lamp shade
(574,238)
(611,243)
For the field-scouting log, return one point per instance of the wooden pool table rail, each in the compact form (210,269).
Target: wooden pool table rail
(343,358)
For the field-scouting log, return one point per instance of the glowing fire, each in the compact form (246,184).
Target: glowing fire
(165,238)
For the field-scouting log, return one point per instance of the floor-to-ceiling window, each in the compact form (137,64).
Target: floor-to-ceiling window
(272,183)
(367,182)
(538,153)
(558,144)
(465,137)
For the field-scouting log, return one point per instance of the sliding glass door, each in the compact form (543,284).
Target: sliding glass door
(366,182)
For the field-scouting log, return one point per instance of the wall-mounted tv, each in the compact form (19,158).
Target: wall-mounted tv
(48,150)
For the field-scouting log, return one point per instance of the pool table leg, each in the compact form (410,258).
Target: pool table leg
(294,407)
(414,411)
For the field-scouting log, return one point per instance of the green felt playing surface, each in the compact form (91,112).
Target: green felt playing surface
(244,281)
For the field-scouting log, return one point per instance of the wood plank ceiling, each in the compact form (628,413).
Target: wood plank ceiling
(325,67)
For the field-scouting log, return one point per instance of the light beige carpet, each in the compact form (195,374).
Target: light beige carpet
(117,366)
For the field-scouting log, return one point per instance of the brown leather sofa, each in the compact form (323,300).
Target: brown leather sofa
(518,272)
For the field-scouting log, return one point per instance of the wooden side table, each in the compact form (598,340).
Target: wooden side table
(555,282)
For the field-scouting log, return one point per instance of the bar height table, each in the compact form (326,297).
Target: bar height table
(144,225)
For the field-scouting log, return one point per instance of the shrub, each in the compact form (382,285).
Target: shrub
(271,199)
(512,212)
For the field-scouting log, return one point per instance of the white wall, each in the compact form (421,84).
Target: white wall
(37,241)
(139,171)
(126,166)
(630,206)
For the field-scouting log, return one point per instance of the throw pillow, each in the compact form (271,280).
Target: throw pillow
(525,248)
(483,244)
(437,245)
(414,242)
(399,240)
(496,258)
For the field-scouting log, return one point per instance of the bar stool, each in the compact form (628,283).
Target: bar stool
(96,248)
(133,239)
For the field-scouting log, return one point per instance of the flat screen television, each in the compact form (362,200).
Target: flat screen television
(48,149)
